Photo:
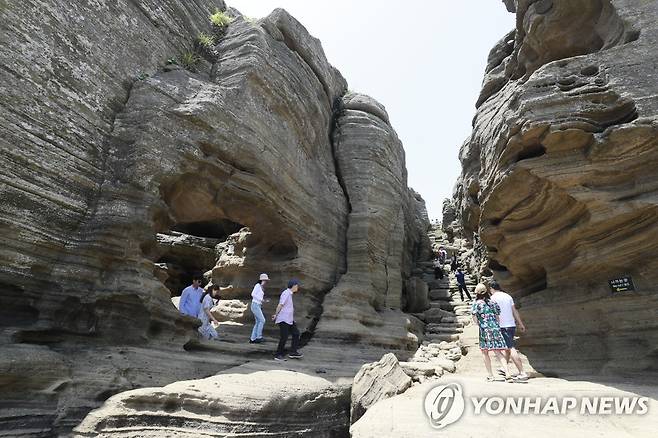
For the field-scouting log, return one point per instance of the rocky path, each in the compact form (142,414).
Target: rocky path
(450,334)
(404,416)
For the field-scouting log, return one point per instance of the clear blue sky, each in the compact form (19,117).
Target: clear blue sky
(423,59)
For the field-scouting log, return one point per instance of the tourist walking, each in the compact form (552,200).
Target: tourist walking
(509,317)
(257,298)
(443,255)
(461,284)
(190,299)
(284,317)
(438,270)
(207,302)
(485,314)
(453,263)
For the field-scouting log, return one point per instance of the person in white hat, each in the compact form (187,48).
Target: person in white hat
(257,297)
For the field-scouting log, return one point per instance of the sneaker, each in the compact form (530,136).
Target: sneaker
(280,358)
(521,378)
(295,355)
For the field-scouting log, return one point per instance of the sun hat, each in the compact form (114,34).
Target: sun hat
(264,277)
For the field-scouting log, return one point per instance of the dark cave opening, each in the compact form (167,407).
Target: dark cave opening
(189,248)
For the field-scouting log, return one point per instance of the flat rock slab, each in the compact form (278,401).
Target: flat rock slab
(403,416)
(272,403)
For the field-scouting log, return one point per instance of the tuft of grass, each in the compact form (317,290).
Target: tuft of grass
(206,41)
(142,76)
(220,19)
(189,60)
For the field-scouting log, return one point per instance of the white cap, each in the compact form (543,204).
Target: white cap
(264,277)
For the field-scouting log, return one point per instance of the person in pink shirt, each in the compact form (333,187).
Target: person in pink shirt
(285,318)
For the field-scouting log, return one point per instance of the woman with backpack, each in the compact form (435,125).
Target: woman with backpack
(485,314)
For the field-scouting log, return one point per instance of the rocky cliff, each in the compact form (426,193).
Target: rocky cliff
(134,154)
(558,188)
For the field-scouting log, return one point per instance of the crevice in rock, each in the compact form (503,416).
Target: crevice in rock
(292,45)
(532,151)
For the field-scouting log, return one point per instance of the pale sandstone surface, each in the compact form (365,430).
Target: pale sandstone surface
(404,415)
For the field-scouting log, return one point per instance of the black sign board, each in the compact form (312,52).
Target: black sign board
(621,284)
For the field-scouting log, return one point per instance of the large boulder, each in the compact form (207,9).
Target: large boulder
(558,183)
(273,403)
(377,381)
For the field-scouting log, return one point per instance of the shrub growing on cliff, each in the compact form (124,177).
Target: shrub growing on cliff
(206,41)
(220,19)
(189,60)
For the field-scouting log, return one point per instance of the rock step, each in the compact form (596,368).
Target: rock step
(442,337)
(446,324)
(444,330)
(439,295)
(443,305)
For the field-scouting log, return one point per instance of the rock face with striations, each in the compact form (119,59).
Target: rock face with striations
(274,404)
(558,186)
(123,172)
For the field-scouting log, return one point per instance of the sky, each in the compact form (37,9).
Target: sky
(423,59)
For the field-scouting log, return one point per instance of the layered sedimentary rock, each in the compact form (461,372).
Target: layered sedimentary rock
(559,183)
(370,161)
(276,403)
(122,172)
(375,382)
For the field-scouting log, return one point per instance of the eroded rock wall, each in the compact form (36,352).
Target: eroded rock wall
(122,171)
(370,160)
(558,187)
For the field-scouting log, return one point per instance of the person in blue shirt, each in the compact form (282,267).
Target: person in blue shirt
(190,299)
(461,283)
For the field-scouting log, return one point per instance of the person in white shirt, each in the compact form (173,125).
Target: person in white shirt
(257,298)
(509,317)
(190,299)
(207,329)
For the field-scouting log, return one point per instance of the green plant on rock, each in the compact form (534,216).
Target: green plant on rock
(206,41)
(190,60)
(220,19)
(172,61)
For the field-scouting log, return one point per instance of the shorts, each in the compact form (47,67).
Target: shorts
(508,335)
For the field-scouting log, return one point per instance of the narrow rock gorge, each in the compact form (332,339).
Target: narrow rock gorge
(558,189)
(133,156)
(144,141)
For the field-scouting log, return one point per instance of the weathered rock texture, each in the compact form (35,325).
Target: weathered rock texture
(381,229)
(275,403)
(375,382)
(122,173)
(559,181)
